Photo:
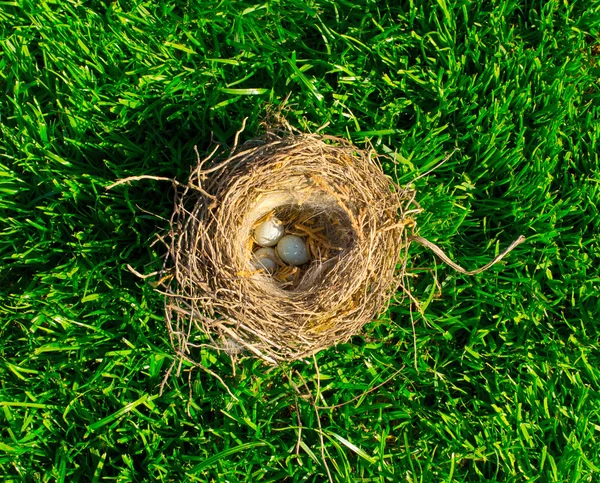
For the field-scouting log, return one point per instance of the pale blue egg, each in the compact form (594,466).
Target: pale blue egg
(264,259)
(292,249)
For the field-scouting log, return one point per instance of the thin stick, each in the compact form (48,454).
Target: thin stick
(414,331)
(422,312)
(237,136)
(315,407)
(318,398)
(166,377)
(183,356)
(190,395)
(150,213)
(141,275)
(374,388)
(206,159)
(245,344)
(298,441)
(432,169)
(297,392)
(322,127)
(438,251)
(137,178)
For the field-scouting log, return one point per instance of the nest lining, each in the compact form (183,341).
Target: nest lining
(355,221)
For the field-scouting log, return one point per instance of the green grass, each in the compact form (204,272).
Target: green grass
(506,386)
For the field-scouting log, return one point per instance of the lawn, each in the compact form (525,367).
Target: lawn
(496,379)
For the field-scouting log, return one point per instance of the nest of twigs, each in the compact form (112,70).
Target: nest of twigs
(352,217)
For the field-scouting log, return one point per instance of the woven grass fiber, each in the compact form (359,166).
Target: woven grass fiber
(354,218)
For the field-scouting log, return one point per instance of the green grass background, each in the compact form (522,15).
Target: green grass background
(507,379)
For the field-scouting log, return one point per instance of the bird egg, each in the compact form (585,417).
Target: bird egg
(292,249)
(264,259)
(269,232)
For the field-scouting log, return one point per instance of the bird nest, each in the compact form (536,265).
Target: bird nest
(354,222)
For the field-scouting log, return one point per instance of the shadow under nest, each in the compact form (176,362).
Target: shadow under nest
(355,221)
